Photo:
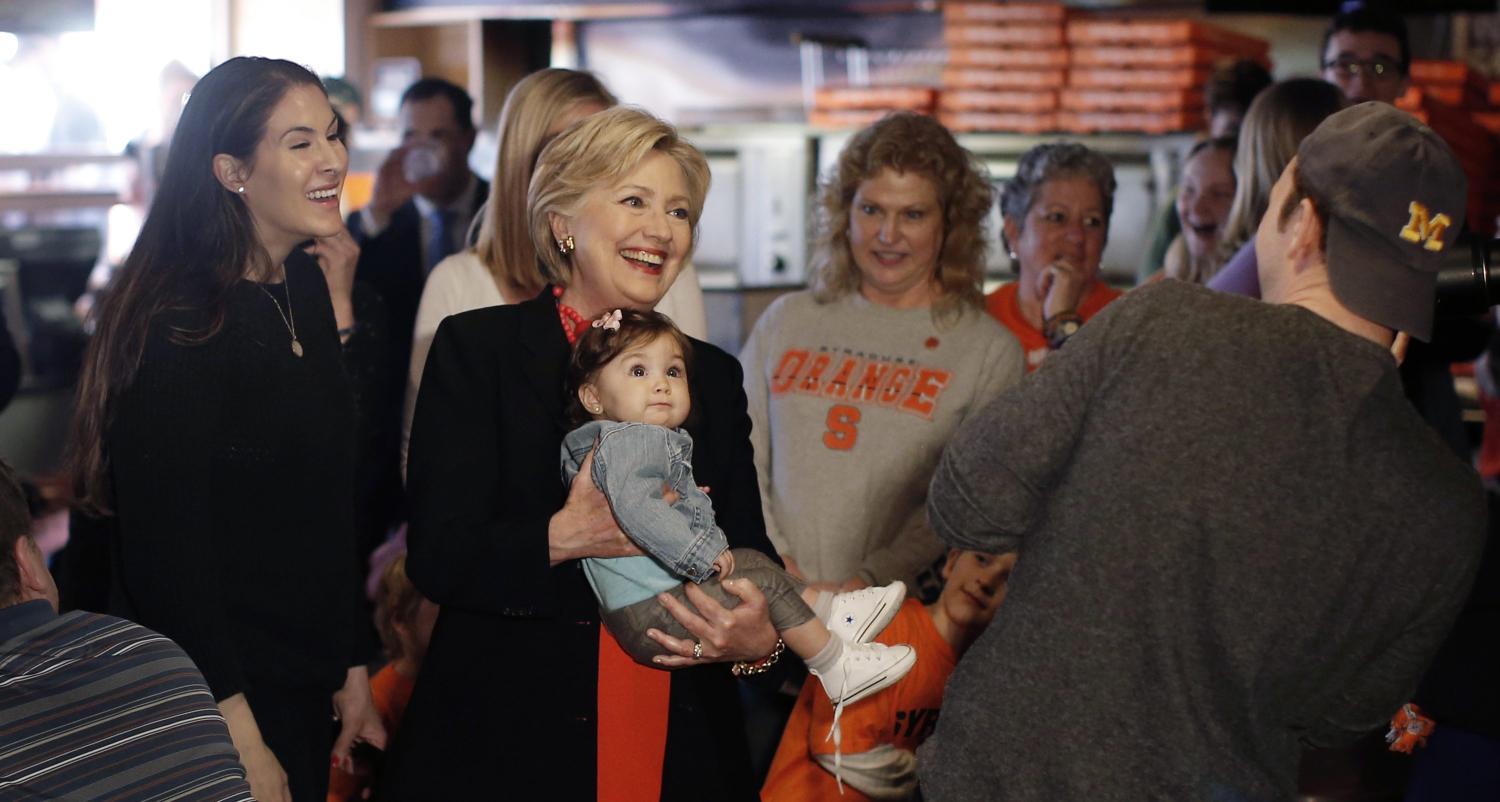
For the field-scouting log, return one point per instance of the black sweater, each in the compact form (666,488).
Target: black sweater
(232,464)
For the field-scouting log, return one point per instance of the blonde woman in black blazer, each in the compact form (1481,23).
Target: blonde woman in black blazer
(506,705)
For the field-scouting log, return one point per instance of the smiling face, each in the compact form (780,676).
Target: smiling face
(1204,199)
(646,383)
(974,588)
(1066,223)
(292,186)
(630,238)
(895,236)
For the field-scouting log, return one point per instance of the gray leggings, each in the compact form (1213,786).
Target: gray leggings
(783,598)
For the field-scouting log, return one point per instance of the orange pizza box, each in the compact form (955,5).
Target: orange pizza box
(992,13)
(971,78)
(993,100)
(915,98)
(1418,94)
(1166,56)
(1074,99)
(1024,58)
(1164,32)
(1434,71)
(845,118)
(1003,36)
(1469,139)
(1153,122)
(1172,78)
(965,121)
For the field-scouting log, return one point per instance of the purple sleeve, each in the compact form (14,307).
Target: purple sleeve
(1239,275)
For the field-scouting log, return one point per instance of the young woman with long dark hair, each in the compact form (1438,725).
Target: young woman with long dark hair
(215,422)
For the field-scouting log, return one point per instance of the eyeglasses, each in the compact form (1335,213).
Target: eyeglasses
(1378,69)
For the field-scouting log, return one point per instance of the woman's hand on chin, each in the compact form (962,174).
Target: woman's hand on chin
(585,527)
(1061,286)
(743,633)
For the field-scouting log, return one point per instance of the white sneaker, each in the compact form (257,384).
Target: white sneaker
(860,615)
(865,668)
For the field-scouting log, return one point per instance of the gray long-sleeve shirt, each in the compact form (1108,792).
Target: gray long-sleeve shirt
(1236,538)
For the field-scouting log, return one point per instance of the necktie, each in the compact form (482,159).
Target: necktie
(440,238)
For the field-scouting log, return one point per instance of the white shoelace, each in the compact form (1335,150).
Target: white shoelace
(837,734)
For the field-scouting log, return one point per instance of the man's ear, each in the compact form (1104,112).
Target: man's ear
(1305,248)
(32,568)
(230,172)
(589,397)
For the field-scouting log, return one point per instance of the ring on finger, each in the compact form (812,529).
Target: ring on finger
(697,650)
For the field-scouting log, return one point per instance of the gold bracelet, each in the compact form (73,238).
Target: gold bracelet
(761,666)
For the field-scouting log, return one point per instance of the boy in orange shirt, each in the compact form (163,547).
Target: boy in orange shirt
(880,735)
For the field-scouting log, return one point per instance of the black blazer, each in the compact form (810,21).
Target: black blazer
(505,707)
(391,263)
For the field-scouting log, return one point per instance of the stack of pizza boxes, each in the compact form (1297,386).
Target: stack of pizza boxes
(1463,107)
(1145,75)
(858,106)
(1007,64)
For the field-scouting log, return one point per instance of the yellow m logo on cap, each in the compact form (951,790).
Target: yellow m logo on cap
(1425,229)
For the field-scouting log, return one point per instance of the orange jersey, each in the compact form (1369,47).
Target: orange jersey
(902,715)
(1004,306)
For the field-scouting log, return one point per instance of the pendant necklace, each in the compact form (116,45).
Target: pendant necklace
(287,317)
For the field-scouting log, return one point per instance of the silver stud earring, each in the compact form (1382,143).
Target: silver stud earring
(1013,256)
(241,190)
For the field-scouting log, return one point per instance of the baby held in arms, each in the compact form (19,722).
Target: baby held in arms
(628,387)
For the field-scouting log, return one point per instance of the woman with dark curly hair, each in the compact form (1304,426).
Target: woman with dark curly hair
(1056,210)
(856,386)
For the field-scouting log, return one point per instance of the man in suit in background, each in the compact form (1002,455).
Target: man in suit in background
(424,198)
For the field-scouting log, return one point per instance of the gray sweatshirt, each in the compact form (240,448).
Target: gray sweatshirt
(1236,539)
(851,403)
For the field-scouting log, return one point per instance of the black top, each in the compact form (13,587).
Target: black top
(232,464)
(506,704)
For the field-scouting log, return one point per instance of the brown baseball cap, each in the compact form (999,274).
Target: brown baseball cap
(1394,196)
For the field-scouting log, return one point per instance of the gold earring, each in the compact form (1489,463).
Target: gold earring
(565,245)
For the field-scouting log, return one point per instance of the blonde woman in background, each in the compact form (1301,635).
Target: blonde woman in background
(856,385)
(1275,125)
(501,268)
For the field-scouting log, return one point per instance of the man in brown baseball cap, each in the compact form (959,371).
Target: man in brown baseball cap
(1365,211)
(1239,539)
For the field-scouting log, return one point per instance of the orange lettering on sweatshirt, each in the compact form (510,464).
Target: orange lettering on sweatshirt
(812,380)
(895,386)
(838,386)
(869,382)
(842,428)
(787,372)
(924,394)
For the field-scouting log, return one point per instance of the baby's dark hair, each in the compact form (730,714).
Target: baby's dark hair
(599,346)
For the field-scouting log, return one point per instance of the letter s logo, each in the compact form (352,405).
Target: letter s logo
(842,430)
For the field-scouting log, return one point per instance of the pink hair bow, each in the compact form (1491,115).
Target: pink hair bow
(610,322)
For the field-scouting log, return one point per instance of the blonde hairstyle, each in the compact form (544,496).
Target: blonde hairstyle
(596,152)
(396,600)
(907,143)
(1278,120)
(531,109)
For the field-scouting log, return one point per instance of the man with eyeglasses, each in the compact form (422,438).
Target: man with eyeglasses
(1365,53)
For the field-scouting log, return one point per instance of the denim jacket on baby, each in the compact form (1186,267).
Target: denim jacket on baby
(633,464)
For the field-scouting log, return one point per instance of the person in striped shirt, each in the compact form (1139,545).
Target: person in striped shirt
(94,707)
